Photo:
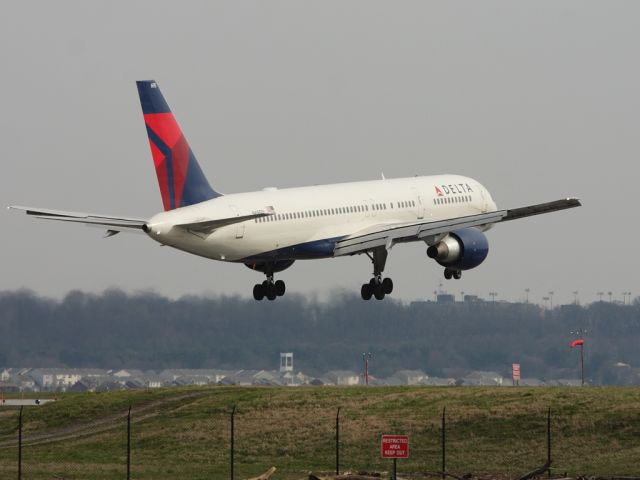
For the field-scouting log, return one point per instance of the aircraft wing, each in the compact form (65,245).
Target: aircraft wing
(387,235)
(208,226)
(114,224)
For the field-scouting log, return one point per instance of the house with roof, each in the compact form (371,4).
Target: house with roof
(410,377)
(341,377)
(482,378)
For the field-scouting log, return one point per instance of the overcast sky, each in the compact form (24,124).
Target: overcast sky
(536,100)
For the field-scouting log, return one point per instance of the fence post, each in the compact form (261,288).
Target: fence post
(20,445)
(129,444)
(549,441)
(233,413)
(338,442)
(444,442)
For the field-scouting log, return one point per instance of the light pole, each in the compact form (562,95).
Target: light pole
(526,295)
(546,299)
(493,296)
(365,359)
(551,299)
(575,298)
(600,294)
(462,296)
(610,294)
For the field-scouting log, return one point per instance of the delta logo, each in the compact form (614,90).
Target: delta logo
(453,189)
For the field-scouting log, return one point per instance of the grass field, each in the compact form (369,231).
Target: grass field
(184,433)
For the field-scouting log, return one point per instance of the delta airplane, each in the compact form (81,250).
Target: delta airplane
(269,230)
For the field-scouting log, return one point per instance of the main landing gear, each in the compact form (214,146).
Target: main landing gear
(450,273)
(377,287)
(269,289)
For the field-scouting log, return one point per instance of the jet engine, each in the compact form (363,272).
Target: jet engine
(460,250)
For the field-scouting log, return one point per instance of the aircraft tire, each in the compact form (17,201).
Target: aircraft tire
(387,286)
(258,292)
(366,291)
(280,288)
(448,274)
(457,274)
(271,292)
(379,292)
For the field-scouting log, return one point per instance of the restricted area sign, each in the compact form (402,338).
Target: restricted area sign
(394,446)
(515,370)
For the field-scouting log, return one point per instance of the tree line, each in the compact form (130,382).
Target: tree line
(116,329)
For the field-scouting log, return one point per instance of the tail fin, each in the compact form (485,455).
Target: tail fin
(180,178)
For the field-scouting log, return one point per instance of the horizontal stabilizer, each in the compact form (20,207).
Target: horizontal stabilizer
(114,223)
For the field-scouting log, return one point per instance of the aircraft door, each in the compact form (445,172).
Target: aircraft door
(420,207)
(485,203)
(366,206)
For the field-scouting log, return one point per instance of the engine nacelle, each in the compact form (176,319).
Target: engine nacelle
(460,250)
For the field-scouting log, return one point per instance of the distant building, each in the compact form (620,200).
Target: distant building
(472,298)
(445,298)
(481,378)
(61,378)
(410,377)
(341,377)
(286,362)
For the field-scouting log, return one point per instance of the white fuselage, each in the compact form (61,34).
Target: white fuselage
(307,220)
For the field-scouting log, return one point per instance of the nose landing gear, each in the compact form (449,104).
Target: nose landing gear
(450,273)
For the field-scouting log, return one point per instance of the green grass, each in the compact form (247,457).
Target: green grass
(184,433)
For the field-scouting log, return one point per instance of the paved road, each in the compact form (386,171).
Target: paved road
(31,402)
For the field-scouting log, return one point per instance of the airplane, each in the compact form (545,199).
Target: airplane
(269,230)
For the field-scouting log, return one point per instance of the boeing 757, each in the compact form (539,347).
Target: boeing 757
(269,230)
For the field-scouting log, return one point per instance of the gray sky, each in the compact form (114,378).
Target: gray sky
(536,100)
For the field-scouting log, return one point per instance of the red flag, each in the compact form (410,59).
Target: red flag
(575,343)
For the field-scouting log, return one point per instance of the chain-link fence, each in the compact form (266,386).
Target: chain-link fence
(196,439)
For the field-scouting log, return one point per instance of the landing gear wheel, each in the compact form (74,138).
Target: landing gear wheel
(366,291)
(387,286)
(457,274)
(258,292)
(280,288)
(271,292)
(448,274)
(379,292)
